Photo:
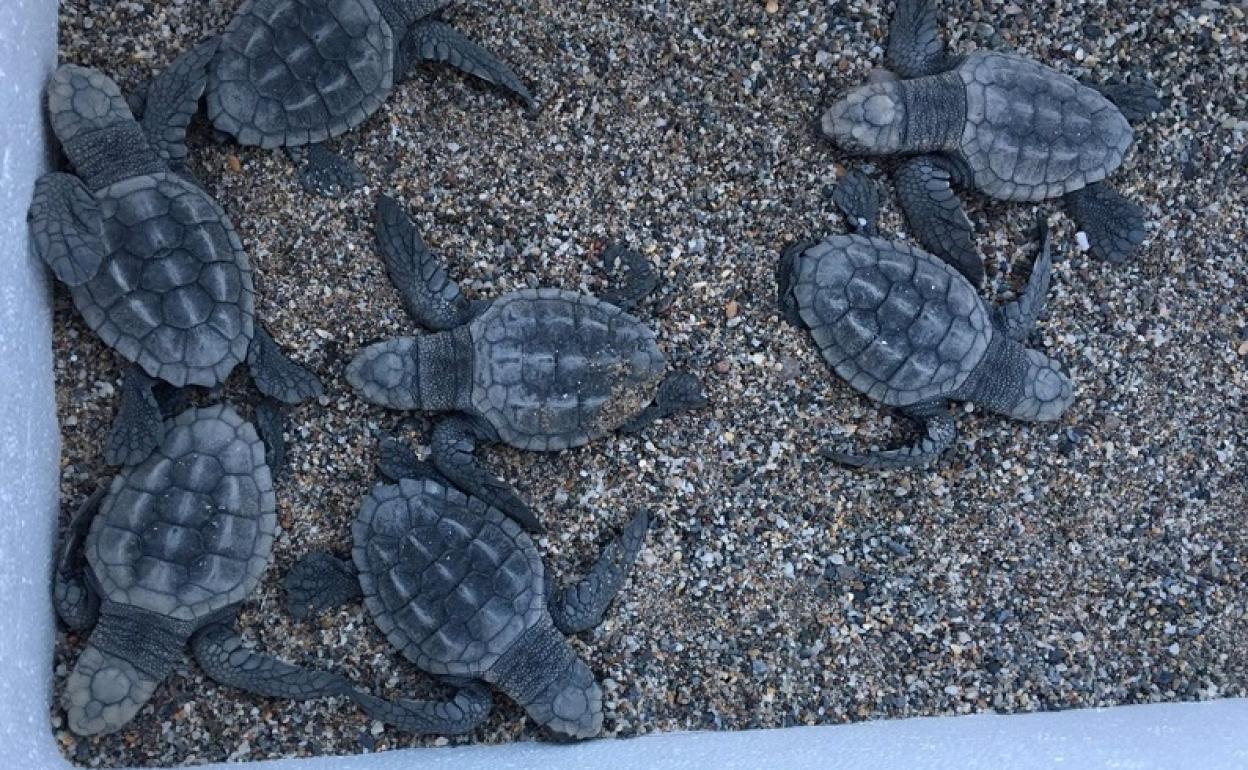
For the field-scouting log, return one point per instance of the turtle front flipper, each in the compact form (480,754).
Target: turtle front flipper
(1017,318)
(936,216)
(914,45)
(139,426)
(224,659)
(171,100)
(1137,101)
(939,433)
(463,713)
(276,375)
(635,276)
(679,392)
(67,227)
(430,297)
(324,172)
(581,606)
(1113,224)
(432,40)
(319,581)
(76,603)
(451,450)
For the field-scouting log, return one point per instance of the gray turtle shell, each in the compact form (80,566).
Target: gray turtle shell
(896,323)
(175,292)
(450,581)
(554,369)
(1033,133)
(293,72)
(189,530)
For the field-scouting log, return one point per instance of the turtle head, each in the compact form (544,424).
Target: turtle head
(387,373)
(869,120)
(82,101)
(570,706)
(1046,391)
(104,692)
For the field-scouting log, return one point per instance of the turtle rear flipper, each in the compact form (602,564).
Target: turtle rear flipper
(276,375)
(914,45)
(397,461)
(271,425)
(325,172)
(319,581)
(1137,101)
(581,606)
(76,604)
(139,426)
(224,659)
(452,445)
(858,198)
(432,299)
(463,713)
(1113,224)
(939,433)
(936,216)
(67,226)
(1018,317)
(636,280)
(433,40)
(172,99)
(679,392)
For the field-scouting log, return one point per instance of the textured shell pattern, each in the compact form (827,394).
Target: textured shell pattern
(293,72)
(1033,133)
(554,369)
(896,323)
(175,292)
(189,530)
(449,580)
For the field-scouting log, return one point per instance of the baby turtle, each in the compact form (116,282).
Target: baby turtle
(173,546)
(1006,126)
(459,588)
(297,72)
(152,261)
(908,330)
(538,369)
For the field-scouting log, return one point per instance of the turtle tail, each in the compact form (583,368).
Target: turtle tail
(542,673)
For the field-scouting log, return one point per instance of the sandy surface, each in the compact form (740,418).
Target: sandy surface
(1096,561)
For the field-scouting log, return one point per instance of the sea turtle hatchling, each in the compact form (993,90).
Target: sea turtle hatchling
(297,72)
(908,330)
(152,261)
(460,589)
(538,369)
(1006,126)
(172,547)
